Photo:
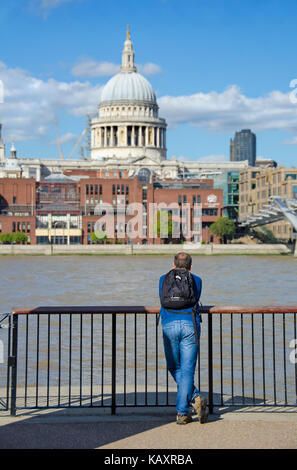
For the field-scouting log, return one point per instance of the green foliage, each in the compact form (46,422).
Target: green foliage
(6,238)
(163,224)
(20,237)
(98,237)
(10,238)
(223,228)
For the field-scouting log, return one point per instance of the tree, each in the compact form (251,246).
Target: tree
(6,238)
(10,238)
(163,225)
(223,228)
(19,237)
(98,237)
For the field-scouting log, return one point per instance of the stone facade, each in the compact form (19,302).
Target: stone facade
(256,185)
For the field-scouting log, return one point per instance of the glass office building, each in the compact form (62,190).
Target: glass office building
(243,147)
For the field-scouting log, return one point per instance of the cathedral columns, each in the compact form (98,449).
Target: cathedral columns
(105,136)
(133,136)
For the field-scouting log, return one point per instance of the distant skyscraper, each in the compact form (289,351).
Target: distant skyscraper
(243,147)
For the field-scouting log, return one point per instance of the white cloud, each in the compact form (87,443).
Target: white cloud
(89,68)
(149,69)
(231,110)
(65,139)
(292,141)
(31,105)
(44,7)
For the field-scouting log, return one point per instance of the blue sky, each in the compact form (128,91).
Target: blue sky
(216,67)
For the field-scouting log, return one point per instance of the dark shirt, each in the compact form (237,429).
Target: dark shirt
(168,316)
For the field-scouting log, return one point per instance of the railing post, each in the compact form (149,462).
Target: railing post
(113,366)
(210,365)
(13,364)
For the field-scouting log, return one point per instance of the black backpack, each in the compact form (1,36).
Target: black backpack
(178,291)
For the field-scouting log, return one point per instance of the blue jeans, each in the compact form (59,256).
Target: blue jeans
(181,352)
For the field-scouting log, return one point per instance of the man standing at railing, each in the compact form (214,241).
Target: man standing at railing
(179,292)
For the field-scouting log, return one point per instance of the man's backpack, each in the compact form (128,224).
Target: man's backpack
(178,291)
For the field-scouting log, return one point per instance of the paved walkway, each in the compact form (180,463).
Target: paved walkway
(254,428)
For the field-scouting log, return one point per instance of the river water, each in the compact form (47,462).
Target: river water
(116,280)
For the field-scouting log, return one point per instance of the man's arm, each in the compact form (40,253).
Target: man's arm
(160,285)
(198,283)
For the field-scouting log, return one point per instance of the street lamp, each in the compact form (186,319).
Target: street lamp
(55,227)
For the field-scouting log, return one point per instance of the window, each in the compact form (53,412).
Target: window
(74,240)
(210,212)
(13,226)
(144,176)
(185,199)
(14,200)
(42,240)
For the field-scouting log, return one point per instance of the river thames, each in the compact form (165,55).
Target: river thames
(115,280)
(124,280)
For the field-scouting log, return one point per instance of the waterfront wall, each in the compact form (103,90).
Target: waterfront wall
(232,249)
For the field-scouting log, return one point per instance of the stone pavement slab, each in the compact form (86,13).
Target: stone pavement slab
(249,428)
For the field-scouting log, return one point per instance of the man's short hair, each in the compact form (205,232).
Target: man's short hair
(183,261)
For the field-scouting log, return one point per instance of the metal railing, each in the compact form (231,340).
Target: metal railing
(113,357)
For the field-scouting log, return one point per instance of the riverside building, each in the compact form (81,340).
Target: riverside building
(256,185)
(64,210)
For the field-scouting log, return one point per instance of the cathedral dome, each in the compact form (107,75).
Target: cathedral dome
(128,87)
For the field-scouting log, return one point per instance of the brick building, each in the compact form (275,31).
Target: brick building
(18,206)
(64,208)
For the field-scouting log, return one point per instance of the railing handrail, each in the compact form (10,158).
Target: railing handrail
(122,309)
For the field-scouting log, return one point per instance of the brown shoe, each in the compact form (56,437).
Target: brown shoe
(183,419)
(199,406)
